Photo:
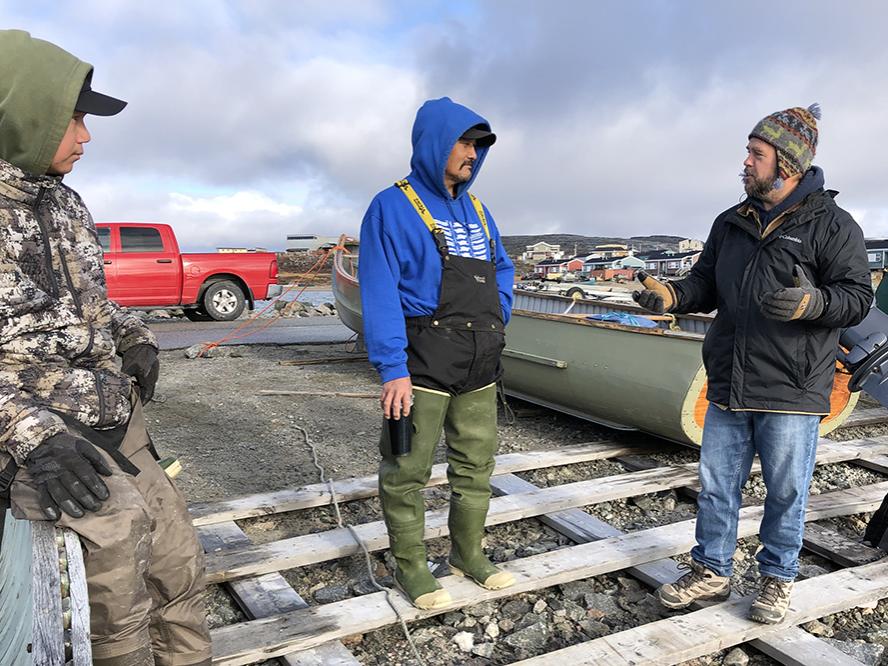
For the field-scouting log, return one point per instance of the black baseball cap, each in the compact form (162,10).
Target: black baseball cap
(482,136)
(96,103)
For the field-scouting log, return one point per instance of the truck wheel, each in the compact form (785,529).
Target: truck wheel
(223,301)
(194,314)
(575,292)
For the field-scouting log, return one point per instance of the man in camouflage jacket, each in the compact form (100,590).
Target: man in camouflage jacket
(73,443)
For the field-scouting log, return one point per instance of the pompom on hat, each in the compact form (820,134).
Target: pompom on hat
(793,132)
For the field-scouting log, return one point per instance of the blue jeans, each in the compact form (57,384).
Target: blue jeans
(787,446)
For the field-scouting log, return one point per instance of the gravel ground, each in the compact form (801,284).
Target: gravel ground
(231,441)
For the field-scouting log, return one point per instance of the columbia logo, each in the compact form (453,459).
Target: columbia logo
(791,238)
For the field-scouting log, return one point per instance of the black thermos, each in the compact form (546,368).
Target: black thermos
(400,431)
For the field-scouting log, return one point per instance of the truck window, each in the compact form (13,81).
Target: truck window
(105,238)
(140,239)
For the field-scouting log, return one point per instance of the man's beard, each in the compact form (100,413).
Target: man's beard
(759,188)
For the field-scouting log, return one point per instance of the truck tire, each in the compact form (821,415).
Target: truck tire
(223,301)
(575,292)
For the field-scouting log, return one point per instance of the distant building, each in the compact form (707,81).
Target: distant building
(592,263)
(668,262)
(877,253)
(689,244)
(542,250)
(550,267)
(308,242)
(611,251)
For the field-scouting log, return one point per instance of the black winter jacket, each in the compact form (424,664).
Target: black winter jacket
(756,363)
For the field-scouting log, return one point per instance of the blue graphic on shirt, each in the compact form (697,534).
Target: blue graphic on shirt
(465,240)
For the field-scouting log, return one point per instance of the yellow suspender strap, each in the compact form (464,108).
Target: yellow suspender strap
(479,208)
(420,207)
(427,218)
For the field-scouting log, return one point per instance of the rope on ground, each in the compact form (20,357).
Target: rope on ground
(335,501)
(243,330)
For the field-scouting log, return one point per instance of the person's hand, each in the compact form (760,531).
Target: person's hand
(64,468)
(140,362)
(397,396)
(656,297)
(801,301)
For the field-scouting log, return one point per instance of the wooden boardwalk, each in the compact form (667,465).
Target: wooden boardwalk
(283,626)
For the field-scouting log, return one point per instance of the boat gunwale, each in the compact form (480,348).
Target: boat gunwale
(581,320)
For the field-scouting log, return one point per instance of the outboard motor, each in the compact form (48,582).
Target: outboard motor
(867,345)
(867,361)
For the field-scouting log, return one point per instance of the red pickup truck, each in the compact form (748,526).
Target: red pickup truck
(144,269)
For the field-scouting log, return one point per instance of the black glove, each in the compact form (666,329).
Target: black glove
(657,297)
(140,361)
(802,301)
(64,467)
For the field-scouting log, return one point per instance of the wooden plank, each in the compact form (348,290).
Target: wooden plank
(323,546)
(877,463)
(684,637)
(302,629)
(321,394)
(318,494)
(796,647)
(48,637)
(842,550)
(324,361)
(271,595)
(793,647)
(865,416)
(81,647)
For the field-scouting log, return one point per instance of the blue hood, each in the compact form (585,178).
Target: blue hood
(438,125)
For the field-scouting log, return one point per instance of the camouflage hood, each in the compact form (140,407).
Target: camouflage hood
(39,86)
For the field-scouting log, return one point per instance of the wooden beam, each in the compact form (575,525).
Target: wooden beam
(684,637)
(48,638)
(865,416)
(318,494)
(842,550)
(81,647)
(793,647)
(323,546)
(271,594)
(251,641)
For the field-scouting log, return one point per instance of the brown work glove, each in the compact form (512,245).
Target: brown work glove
(802,301)
(657,297)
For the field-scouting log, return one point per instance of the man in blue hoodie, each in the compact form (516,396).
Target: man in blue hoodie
(786,270)
(436,292)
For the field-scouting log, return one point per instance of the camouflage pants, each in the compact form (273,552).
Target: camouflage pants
(144,565)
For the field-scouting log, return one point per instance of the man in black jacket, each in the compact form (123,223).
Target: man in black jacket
(786,269)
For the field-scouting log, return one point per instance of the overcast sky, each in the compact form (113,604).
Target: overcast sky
(251,120)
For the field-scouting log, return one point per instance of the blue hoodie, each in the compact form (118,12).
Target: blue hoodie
(400,267)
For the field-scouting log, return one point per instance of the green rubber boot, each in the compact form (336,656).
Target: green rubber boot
(470,428)
(400,480)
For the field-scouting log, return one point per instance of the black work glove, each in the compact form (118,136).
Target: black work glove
(140,361)
(802,301)
(657,296)
(64,468)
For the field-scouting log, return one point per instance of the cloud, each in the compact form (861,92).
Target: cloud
(248,121)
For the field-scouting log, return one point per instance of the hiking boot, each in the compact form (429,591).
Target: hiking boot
(772,602)
(698,584)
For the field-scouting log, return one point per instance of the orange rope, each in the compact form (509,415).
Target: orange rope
(243,329)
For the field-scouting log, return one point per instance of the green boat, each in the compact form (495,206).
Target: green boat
(622,376)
